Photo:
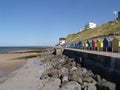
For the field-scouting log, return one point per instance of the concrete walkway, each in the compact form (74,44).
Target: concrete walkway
(25,78)
(110,54)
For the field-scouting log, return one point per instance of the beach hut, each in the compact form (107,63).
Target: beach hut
(107,44)
(94,45)
(116,44)
(89,44)
(85,45)
(76,45)
(79,43)
(82,45)
(71,45)
(99,44)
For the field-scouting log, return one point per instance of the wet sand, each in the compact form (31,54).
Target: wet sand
(9,63)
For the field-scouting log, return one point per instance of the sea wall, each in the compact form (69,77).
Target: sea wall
(107,67)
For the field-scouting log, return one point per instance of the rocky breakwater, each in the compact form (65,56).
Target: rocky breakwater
(63,73)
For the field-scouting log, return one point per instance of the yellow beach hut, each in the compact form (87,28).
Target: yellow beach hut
(85,45)
(116,44)
(99,44)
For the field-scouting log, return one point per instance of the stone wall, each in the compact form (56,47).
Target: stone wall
(107,67)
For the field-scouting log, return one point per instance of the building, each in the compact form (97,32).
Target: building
(99,44)
(61,41)
(119,15)
(107,44)
(90,25)
(116,44)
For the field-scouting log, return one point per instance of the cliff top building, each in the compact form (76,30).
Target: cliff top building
(61,41)
(90,25)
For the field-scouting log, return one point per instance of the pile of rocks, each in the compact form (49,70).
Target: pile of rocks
(63,73)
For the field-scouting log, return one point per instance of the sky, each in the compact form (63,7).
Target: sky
(43,22)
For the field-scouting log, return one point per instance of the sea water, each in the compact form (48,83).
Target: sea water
(15,48)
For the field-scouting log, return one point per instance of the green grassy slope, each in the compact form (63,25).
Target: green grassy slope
(103,30)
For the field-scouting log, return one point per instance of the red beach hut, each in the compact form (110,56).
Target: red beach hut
(94,45)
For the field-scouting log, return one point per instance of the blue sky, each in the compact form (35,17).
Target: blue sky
(42,22)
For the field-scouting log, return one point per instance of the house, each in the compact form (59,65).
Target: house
(61,41)
(85,45)
(99,44)
(107,44)
(89,44)
(90,25)
(81,43)
(116,44)
(94,45)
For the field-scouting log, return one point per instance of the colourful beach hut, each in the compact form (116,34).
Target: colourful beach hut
(99,44)
(107,44)
(82,45)
(71,45)
(76,45)
(116,44)
(94,45)
(89,44)
(79,44)
(85,45)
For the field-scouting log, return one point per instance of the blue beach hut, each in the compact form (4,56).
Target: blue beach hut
(107,44)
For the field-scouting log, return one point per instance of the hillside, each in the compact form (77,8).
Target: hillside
(103,30)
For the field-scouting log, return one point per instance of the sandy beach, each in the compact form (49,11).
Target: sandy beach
(24,78)
(8,62)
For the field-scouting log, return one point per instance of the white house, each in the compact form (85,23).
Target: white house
(61,41)
(90,25)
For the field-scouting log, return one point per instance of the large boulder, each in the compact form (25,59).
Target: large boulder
(72,85)
(106,85)
(76,78)
(89,73)
(88,79)
(64,71)
(91,86)
(54,73)
(44,75)
(98,78)
(52,84)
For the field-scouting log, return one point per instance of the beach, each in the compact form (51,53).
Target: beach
(12,61)
(22,74)
(8,63)
(24,78)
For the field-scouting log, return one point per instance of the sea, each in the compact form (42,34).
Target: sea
(7,49)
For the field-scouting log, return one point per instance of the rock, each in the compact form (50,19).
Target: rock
(89,73)
(88,79)
(53,73)
(84,70)
(72,85)
(52,84)
(98,78)
(44,75)
(88,86)
(105,85)
(77,72)
(65,79)
(76,78)
(91,86)
(64,70)
(73,69)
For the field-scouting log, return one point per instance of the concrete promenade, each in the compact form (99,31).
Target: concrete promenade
(110,54)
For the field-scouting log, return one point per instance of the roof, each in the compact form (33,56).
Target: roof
(61,38)
(117,37)
(109,38)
